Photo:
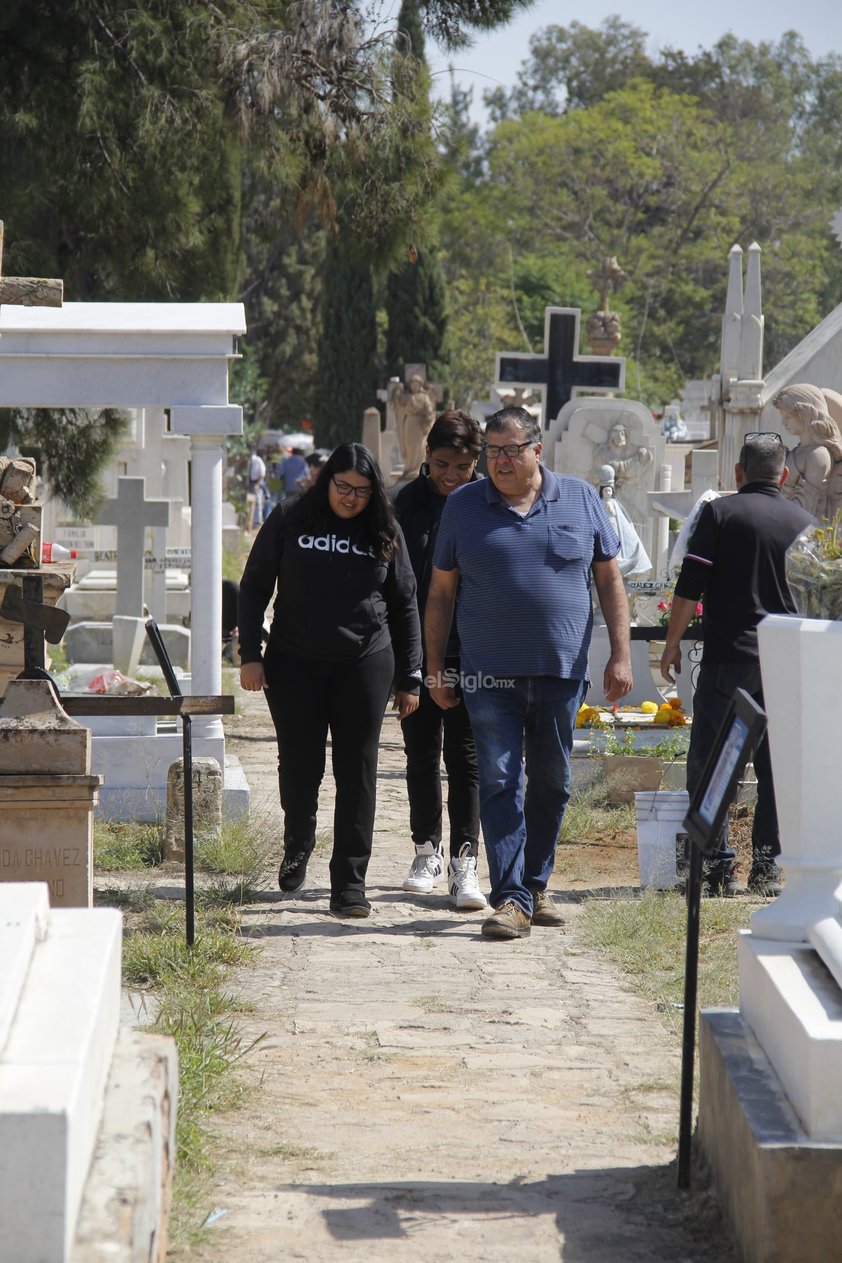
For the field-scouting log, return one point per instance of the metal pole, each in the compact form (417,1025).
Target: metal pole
(165,663)
(688,1047)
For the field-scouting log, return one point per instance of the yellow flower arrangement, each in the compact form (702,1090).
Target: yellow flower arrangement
(669,713)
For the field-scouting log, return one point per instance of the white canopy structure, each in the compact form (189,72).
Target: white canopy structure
(135,355)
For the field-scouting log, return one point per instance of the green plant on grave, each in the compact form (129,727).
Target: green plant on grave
(671,749)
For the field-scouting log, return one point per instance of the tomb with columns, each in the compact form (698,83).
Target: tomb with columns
(163,356)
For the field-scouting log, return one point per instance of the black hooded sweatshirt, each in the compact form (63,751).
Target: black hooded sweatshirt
(335,599)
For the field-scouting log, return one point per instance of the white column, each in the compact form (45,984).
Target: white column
(661,553)
(801,661)
(207,454)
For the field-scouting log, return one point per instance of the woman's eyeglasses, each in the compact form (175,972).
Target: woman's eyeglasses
(345,489)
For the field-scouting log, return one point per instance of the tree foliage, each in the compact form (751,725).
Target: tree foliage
(72,448)
(664,163)
(348,377)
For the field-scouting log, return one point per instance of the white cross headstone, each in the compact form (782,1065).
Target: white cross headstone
(131,513)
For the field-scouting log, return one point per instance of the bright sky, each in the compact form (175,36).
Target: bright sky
(496,58)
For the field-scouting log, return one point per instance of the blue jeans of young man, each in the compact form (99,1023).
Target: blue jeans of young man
(523,730)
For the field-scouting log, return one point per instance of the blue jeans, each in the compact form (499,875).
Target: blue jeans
(521,815)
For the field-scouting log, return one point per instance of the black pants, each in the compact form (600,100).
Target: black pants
(425,732)
(714,690)
(307,699)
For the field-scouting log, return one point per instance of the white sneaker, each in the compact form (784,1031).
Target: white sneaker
(427,869)
(463,884)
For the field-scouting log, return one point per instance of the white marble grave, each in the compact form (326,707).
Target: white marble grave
(61,1001)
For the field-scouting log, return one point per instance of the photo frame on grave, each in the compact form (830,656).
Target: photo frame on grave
(740,734)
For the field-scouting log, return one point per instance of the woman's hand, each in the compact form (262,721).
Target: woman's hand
(252,678)
(405,703)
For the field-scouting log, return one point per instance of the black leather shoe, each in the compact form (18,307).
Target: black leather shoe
(351,903)
(293,870)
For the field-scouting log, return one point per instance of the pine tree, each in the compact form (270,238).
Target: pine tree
(415,293)
(347,349)
(417,331)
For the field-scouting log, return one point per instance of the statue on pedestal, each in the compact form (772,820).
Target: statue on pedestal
(814,416)
(603,327)
(20,524)
(633,558)
(415,410)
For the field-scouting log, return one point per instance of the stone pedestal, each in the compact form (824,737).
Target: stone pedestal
(47,795)
(207,804)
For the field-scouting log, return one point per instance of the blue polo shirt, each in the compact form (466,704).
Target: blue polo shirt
(525,602)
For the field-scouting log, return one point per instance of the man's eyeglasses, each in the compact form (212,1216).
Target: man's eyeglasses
(512,450)
(345,489)
(762,434)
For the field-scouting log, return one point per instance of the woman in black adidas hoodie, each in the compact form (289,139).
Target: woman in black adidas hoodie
(344,629)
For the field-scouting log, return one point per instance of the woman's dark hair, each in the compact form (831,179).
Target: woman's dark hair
(458,430)
(377,518)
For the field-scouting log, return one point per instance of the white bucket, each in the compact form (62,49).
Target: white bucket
(660,819)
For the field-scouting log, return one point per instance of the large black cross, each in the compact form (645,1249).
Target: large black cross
(561,369)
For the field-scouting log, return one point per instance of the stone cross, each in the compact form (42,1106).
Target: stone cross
(28,291)
(40,621)
(131,513)
(561,370)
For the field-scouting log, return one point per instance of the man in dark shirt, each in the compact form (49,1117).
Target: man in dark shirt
(735,563)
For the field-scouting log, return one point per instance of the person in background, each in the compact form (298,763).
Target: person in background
(292,468)
(256,487)
(453,447)
(344,629)
(521,547)
(736,565)
(315,462)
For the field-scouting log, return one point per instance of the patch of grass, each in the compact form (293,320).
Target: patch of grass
(240,858)
(296,1151)
(646,938)
(120,846)
(589,815)
(431,1003)
(188,984)
(135,899)
(234,559)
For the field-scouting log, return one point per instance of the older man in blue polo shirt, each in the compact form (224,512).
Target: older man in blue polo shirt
(521,547)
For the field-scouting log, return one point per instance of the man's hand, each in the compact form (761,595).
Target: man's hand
(617,680)
(671,657)
(252,678)
(405,703)
(444,695)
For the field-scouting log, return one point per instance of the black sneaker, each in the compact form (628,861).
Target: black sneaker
(293,870)
(351,903)
(765,880)
(723,885)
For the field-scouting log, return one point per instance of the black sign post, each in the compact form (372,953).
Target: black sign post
(165,663)
(741,732)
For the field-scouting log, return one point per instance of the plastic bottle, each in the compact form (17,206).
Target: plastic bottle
(56,552)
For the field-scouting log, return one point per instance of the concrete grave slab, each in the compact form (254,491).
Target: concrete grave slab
(53,1072)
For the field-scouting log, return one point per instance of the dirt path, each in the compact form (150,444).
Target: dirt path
(424,1094)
